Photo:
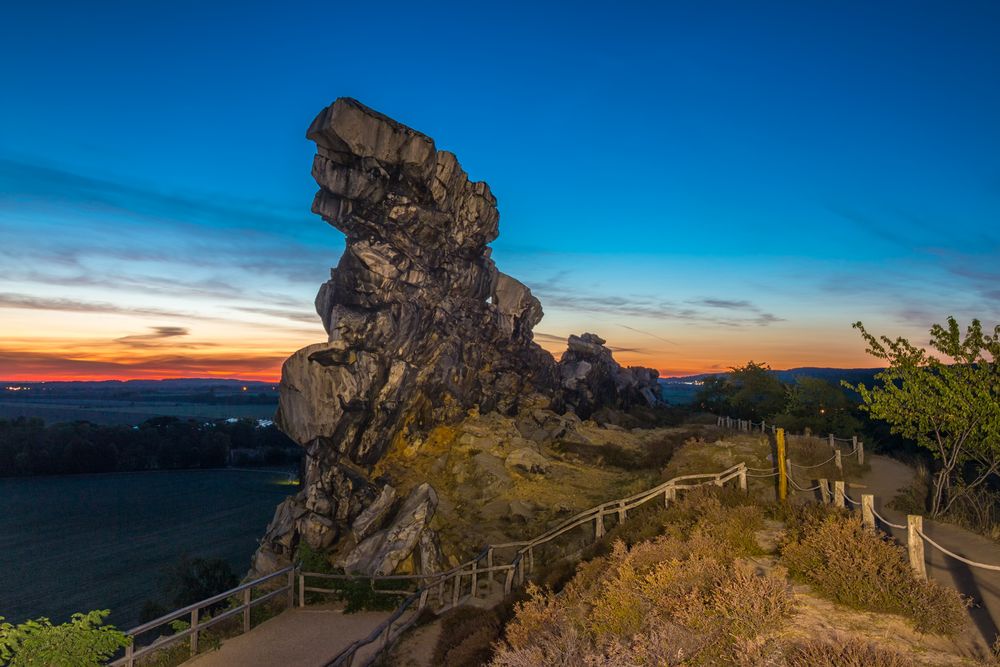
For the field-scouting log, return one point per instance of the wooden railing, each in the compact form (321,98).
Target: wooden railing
(192,614)
(465,581)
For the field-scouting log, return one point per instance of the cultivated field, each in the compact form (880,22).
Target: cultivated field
(85,542)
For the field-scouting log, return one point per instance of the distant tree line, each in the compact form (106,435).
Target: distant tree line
(30,447)
(755,392)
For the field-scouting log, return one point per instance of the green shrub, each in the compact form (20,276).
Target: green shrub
(843,653)
(857,567)
(82,642)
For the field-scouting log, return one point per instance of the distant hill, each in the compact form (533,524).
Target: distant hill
(681,390)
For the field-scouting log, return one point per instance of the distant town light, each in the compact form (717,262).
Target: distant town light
(17,388)
(244,388)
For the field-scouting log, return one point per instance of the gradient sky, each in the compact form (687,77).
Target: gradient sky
(700,183)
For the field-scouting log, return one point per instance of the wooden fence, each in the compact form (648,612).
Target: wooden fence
(835,493)
(496,567)
(192,614)
(485,574)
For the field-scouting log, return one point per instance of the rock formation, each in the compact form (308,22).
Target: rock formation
(422,328)
(590,378)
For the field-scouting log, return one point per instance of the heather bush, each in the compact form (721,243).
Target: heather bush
(843,653)
(681,598)
(857,567)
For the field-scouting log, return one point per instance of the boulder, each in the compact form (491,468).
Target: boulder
(527,461)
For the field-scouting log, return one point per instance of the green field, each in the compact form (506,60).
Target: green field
(84,542)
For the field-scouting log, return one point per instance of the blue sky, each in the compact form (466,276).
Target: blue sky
(701,183)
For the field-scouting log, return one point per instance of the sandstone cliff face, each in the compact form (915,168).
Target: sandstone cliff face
(422,328)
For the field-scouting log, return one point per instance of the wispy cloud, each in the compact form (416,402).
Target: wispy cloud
(558,292)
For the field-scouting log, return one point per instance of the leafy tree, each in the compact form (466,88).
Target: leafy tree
(83,642)
(757,392)
(193,579)
(819,406)
(951,408)
(714,394)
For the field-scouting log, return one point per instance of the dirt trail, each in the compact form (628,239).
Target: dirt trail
(308,637)
(886,478)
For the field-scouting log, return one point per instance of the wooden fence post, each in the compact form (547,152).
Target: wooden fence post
(824,491)
(302,590)
(915,545)
(246,610)
(489,566)
(291,589)
(621,512)
(743,479)
(509,581)
(854,442)
(599,525)
(868,510)
(475,577)
(455,589)
(761,425)
(833,445)
(194,632)
(838,493)
(782,470)
(837,461)
(861,452)
(423,598)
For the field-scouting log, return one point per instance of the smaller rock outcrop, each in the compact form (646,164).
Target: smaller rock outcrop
(590,378)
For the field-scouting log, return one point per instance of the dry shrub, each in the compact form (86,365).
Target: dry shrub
(857,567)
(843,653)
(665,601)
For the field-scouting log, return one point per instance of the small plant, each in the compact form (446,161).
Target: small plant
(82,642)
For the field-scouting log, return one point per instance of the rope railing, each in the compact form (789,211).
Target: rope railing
(915,535)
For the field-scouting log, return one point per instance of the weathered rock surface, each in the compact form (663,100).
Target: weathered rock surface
(422,328)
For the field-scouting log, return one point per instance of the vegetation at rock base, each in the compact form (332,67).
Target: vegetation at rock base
(82,642)
(356,594)
(857,567)
(950,407)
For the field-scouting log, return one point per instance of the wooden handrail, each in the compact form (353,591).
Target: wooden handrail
(515,569)
(192,611)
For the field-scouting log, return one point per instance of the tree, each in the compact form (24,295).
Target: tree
(191,580)
(83,642)
(820,406)
(714,394)
(757,392)
(950,408)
